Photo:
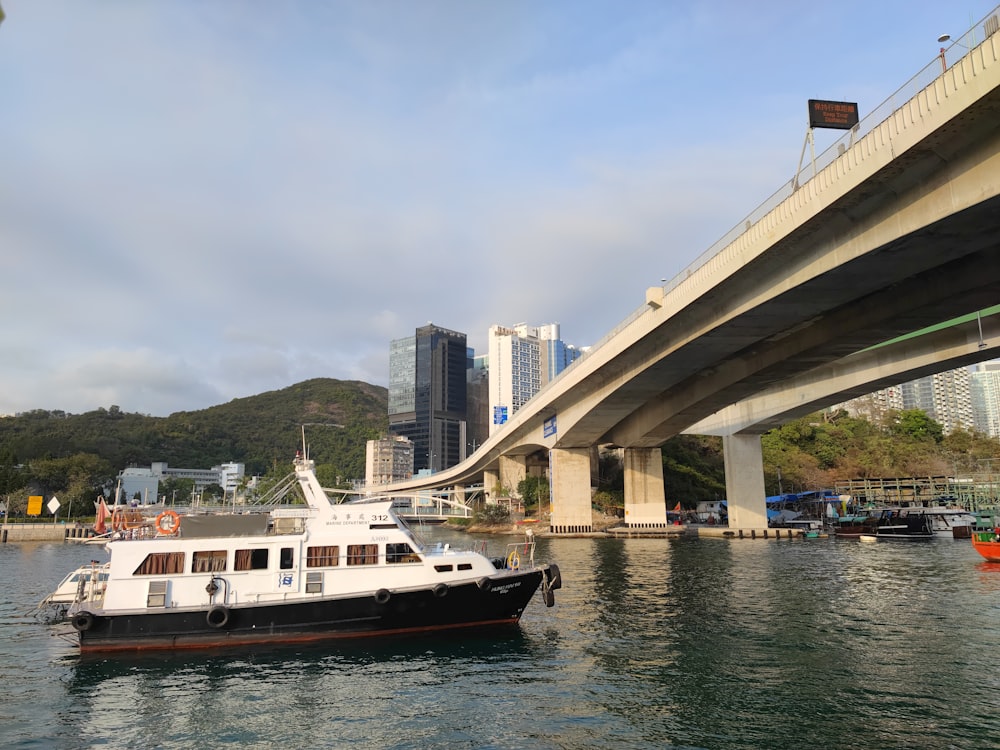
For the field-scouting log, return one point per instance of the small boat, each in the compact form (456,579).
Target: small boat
(84,584)
(987,544)
(299,573)
(868,538)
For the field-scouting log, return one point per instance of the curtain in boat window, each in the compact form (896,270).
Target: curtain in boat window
(161,563)
(208,561)
(322,557)
(362,554)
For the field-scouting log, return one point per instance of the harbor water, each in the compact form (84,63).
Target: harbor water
(653,643)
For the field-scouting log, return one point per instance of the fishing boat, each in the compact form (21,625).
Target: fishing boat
(896,526)
(309,572)
(987,544)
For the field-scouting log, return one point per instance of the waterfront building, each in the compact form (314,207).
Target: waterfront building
(427,395)
(143,483)
(522,359)
(389,459)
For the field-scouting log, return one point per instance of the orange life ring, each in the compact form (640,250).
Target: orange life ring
(172,526)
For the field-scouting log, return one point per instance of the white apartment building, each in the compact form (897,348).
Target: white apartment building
(984,387)
(522,359)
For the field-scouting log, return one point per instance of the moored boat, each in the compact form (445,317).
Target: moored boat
(86,583)
(894,525)
(312,572)
(987,544)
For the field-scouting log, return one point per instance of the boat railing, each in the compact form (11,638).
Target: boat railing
(520,555)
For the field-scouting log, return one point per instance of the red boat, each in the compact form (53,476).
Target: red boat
(987,544)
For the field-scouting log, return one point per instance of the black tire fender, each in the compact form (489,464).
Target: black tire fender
(382,596)
(484,584)
(441,590)
(82,621)
(217,617)
(554,577)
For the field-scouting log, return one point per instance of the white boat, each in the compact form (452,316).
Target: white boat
(295,574)
(950,522)
(84,584)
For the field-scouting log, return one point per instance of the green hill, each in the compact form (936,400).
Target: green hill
(262,432)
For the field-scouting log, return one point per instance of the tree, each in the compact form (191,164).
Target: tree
(915,423)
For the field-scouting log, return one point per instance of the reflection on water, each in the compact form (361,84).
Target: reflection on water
(652,643)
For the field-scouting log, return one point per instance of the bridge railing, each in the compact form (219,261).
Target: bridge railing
(964,45)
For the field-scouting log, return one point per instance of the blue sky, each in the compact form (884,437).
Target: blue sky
(202,201)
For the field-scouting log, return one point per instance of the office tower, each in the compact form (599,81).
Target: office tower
(427,395)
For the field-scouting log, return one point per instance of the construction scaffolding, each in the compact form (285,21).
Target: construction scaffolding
(973,492)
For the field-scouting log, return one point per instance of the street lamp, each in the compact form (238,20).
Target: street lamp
(941,40)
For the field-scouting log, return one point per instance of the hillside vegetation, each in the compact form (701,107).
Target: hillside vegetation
(76,455)
(79,456)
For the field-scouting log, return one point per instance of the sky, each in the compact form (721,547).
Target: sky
(202,201)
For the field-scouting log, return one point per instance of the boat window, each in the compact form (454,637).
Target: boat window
(443,568)
(314,583)
(465,566)
(251,559)
(400,553)
(208,561)
(159,563)
(322,557)
(362,554)
(287,558)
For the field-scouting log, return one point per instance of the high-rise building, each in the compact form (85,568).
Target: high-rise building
(944,397)
(984,387)
(427,395)
(522,359)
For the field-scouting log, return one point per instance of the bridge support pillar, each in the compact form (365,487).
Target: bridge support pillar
(645,501)
(491,479)
(513,469)
(571,508)
(744,481)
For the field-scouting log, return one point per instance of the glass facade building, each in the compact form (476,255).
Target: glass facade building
(427,395)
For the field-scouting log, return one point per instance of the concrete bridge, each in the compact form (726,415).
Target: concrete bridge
(896,230)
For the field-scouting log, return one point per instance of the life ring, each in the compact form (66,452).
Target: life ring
(382,596)
(513,560)
(217,617)
(172,525)
(441,590)
(83,621)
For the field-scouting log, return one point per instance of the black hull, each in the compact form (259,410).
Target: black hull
(490,602)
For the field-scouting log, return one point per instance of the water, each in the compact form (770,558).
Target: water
(651,644)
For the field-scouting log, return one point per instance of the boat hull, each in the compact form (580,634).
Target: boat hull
(488,602)
(987,544)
